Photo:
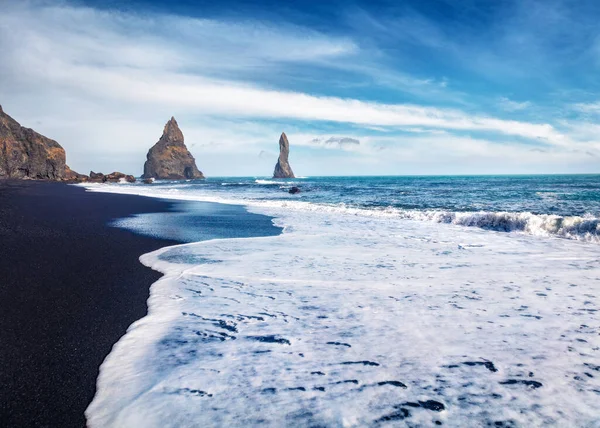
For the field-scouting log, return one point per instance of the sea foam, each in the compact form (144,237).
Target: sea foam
(351,320)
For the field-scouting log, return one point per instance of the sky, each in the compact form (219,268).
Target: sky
(360,87)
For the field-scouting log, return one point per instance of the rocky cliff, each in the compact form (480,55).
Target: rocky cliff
(283,168)
(169,158)
(26,154)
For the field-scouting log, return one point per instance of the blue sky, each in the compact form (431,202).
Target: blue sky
(415,87)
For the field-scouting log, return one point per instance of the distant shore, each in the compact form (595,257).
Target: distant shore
(70,286)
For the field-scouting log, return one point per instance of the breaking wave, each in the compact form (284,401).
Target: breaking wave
(585,228)
(272,182)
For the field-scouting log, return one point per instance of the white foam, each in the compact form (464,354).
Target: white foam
(272,182)
(414,301)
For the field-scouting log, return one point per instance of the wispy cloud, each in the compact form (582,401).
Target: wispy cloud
(510,105)
(344,143)
(525,45)
(107,55)
(587,107)
(106,80)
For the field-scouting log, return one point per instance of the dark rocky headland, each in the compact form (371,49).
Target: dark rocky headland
(26,154)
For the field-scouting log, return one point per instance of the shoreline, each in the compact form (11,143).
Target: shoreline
(86,248)
(71,286)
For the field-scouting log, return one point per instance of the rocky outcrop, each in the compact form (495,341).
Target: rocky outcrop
(96,176)
(169,158)
(113,177)
(283,168)
(26,154)
(73,176)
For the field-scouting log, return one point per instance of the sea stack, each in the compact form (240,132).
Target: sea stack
(283,168)
(169,158)
(26,154)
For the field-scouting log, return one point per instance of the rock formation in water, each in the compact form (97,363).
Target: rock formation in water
(113,177)
(283,168)
(26,154)
(169,158)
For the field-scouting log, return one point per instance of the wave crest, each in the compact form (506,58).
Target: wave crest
(266,182)
(586,228)
(581,228)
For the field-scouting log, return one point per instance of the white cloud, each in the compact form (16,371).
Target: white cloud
(510,105)
(429,154)
(587,107)
(84,35)
(344,143)
(226,98)
(107,55)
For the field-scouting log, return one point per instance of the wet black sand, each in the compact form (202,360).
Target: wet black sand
(69,287)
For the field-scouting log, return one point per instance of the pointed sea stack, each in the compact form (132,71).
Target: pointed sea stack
(169,158)
(26,154)
(283,168)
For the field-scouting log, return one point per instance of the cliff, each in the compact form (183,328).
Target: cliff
(283,168)
(26,154)
(169,158)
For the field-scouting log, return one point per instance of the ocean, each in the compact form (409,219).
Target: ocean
(362,301)
(552,205)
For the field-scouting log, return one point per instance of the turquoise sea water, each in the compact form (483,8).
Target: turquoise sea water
(566,206)
(566,195)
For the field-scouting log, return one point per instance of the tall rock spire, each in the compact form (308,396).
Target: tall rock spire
(172,133)
(283,168)
(169,158)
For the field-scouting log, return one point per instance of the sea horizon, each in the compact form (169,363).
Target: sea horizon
(300,177)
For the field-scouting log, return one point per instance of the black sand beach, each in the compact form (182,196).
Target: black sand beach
(69,287)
